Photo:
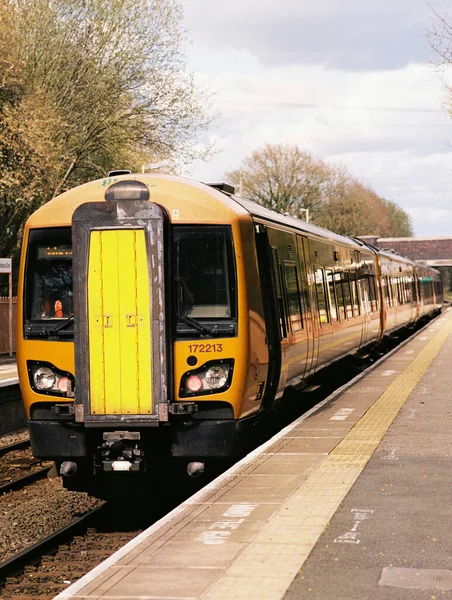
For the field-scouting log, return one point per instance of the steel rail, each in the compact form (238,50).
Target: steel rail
(34,553)
(25,479)
(16,446)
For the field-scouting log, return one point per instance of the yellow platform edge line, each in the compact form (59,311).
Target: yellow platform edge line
(268,565)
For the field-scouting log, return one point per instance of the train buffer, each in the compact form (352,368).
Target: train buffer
(351,501)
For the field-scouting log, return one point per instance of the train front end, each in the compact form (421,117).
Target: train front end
(130,355)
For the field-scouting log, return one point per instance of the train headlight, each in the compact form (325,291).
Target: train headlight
(47,379)
(44,378)
(211,378)
(217,376)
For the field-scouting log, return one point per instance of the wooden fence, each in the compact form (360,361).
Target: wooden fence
(4,324)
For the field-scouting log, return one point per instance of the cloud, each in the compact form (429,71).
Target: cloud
(421,185)
(345,80)
(352,35)
(386,127)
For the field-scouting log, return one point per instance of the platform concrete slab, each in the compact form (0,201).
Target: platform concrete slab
(160,582)
(320,431)
(283,464)
(183,554)
(253,512)
(238,530)
(307,445)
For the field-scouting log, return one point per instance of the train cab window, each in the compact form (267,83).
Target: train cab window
(48,281)
(205,281)
(331,295)
(321,296)
(293,297)
(279,293)
(339,295)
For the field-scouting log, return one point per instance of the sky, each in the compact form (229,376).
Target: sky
(353,82)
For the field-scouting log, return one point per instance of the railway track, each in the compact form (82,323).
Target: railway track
(49,566)
(21,445)
(18,467)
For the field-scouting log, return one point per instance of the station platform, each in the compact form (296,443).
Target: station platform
(352,500)
(8,372)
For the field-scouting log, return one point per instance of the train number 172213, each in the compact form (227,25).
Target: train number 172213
(205,348)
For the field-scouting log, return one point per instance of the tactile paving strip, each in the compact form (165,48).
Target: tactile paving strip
(269,563)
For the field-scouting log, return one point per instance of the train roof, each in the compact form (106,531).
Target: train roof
(256,210)
(186,200)
(189,201)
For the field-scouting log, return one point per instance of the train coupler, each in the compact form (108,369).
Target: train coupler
(120,451)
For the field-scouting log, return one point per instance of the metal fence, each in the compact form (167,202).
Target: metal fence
(4,324)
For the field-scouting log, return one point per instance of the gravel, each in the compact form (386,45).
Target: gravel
(11,438)
(29,514)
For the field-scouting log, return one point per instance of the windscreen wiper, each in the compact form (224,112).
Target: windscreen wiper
(195,324)
(188,320)
(64,325)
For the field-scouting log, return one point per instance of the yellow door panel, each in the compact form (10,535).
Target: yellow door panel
(119,323)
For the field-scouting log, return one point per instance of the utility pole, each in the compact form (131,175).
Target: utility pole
(306,211)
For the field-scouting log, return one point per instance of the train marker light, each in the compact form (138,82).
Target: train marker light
(193,383)
(64,384)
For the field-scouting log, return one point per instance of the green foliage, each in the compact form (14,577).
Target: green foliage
(87,86)
(282,178)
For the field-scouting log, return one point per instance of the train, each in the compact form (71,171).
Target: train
(159,318)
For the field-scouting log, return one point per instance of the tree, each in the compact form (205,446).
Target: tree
(286,179)
(352,208)
(401,224)
(115,70)
(440,40)
(282,178)
(87,86)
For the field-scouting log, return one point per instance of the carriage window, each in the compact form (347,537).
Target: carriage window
(388,291)
(400,291)
(373,293)
(48,277)
(339,295)
(415,289)
(409,290)
(331,295)
(366,297)
(321,296)
(347,294)
(355,296)
(293,297)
